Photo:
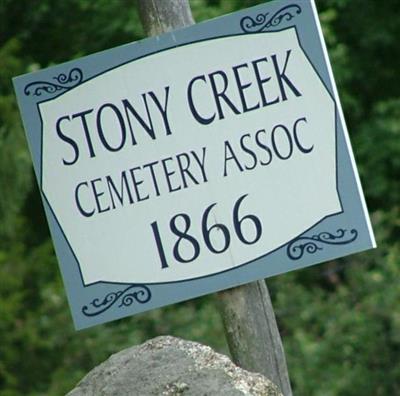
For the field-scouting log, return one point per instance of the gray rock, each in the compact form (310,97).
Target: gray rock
(168,366)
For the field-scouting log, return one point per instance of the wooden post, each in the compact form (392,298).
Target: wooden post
(250,326)
(160,16)
(252,332)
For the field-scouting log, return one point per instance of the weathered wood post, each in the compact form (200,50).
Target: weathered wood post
(252,332)
(250,325)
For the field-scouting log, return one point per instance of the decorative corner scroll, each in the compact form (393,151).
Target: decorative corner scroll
(311,245)
(126,297)
(263,21)
(62,82)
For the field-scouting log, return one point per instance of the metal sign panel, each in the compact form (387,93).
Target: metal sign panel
(195,161)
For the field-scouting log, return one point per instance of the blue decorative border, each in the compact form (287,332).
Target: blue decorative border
(261,22)
(63,82)
(133,293)
(312,244)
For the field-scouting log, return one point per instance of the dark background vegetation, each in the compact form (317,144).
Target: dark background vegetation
(340,321)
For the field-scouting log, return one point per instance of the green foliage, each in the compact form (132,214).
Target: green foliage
(378,144)
(346,341)
(339,321)
(15,163)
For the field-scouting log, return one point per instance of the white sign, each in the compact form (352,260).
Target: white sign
(195,161)
(130,165)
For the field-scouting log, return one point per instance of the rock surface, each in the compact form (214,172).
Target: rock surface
(168,366)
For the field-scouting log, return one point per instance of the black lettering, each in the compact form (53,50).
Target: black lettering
(282,77)
(148,127)
(101,131)
(168,174)
(78,202)
(150,165)
(82,115)
(289,139)
(261,81)
(242,87)
(195,113)
(201,162)
(97,196)
(112,189)
(263,146)
(137,183)
(68,140)
(248,151)
(230,156)
(184,168)
(296,138)
(163,110)
(219,94)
